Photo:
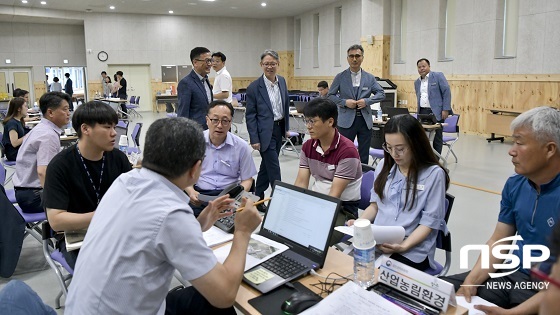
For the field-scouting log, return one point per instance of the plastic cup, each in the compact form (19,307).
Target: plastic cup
(123,140)
(68,131)
(363,234)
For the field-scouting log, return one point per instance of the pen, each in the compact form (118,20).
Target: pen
(225,163)
(255,204)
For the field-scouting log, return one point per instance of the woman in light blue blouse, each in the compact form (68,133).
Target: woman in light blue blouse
(409,191)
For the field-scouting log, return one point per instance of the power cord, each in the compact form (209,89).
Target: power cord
(327,286)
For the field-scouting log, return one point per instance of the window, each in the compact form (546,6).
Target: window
(337,35)
(506,28)
(297,56)
(446,29)
(399,8)
(316,40)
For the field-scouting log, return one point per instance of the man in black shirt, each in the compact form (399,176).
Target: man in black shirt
(78,177)
(121,93)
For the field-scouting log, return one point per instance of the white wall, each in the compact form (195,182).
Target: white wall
(40,45)
(167,40)
(538,42)
(351,29)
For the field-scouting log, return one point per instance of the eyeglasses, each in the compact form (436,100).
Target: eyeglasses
(215,121)
(355,56)
(393,151)
(269,65)
(205,60)
(310,122)
(537,274)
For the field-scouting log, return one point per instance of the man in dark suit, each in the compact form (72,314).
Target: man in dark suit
(433,96)
(194,92)
(69,90)
(267,116)
(353,91)
(121,93)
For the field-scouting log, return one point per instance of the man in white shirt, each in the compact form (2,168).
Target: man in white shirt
(223,85)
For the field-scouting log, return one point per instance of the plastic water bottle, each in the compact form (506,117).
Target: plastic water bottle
(123,144)
(123,148)
(364,266)
(380,114)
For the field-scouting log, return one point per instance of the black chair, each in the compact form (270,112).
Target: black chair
(443,242)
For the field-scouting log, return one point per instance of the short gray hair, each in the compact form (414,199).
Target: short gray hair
(543,121)
(271,53)
(356,47)
(173,146)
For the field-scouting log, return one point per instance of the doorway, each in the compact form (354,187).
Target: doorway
(11,79)
(77,75)
(137,81)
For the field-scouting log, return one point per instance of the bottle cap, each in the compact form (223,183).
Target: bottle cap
(363,234)
(123,140)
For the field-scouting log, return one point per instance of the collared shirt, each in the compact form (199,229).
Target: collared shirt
(428,208)
(275,97)
(129,256)
(206,84)
(424,100)
(228,163)
(222,82)
(40,145)
(340,160)
(356,77)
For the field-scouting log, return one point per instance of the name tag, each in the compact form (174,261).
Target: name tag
(330,167)
(420,187)
(433,84)
(365,88)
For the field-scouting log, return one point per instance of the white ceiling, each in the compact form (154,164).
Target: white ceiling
(225,8)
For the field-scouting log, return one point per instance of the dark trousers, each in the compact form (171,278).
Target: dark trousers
(70,256)
(189,301)
(198,209)
(438,137)
(505,297)
(29,200)
(359,128)
(269,170)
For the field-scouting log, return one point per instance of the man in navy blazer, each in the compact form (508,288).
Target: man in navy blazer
(433,96)
(194,92)
(267,116)
(356,90)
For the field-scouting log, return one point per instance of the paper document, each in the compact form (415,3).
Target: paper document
(475,300)
(74,239)
(381,234)
(215,236)
(260,249)
(351,299)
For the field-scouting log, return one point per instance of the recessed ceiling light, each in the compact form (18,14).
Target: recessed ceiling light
(23,1)
(208,0)
(112,7)
(263,4)
(191,3)
(43,2)
(234,8)
(170,11)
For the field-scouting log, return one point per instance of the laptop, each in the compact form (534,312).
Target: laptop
(303,220)
(394,111)
(299,106)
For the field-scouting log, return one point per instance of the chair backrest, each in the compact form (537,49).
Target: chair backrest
(136,134)
(137,101)
(368,176)
(121,131)
(444,241)
(132,99)
(2,174)
(451,122)
(122,124)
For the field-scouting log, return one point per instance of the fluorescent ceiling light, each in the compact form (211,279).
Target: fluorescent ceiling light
(23,1)
(170,11)
(43,2)
(112,7)
(263,4)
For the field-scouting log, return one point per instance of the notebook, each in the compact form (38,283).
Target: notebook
(394,111)
(301,219)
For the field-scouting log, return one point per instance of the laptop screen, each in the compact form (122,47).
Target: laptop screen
(300,218)
(394,111)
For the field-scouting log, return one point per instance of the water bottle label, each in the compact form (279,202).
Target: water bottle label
(364,255)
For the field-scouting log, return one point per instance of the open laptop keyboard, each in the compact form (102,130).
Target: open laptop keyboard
(283,266)
(226,223)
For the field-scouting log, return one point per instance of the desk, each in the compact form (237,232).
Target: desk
(336,261)
(498,122)
(115,103)
(166,99)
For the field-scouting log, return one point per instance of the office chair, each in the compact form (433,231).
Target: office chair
(368,177)
(376,154)
(134,104)
(443,241)
(56,261)
(448,141)
(136,139)
(238,118)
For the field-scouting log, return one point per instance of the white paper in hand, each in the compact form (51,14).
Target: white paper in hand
(381,234)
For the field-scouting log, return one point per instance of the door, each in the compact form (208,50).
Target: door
(11,79)
(138,83)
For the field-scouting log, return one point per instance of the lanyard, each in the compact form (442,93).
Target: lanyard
(96,189)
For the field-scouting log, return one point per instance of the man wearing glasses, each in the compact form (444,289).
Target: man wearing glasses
(529,207)
(228,158)
(194,92)
(353,91)
(267,116)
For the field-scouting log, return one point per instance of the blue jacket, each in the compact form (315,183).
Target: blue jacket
(439,93)
(369,90)
(193,102)
(259,115)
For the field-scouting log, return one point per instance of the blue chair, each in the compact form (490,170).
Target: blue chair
(133,105)
(136,139)
(443,241)
(376,154)
(368,177)
(451,127)
(53,255)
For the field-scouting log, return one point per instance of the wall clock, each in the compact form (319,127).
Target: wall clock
(102,56)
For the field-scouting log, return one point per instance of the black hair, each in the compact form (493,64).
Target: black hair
(103,72)
(15,104)
(20,92)
(53,100)
(322,108)
(423,59)
(93,113)
(119,73)
(422,155)
(67,74)
(220,54)
(323,84)
(221,103)
(354,47)
(173,146)
(197,51)
(56,79)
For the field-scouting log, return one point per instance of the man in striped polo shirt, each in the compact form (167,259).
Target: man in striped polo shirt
(329,157)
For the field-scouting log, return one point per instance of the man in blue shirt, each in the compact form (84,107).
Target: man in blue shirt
(228,158)
(529,207)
